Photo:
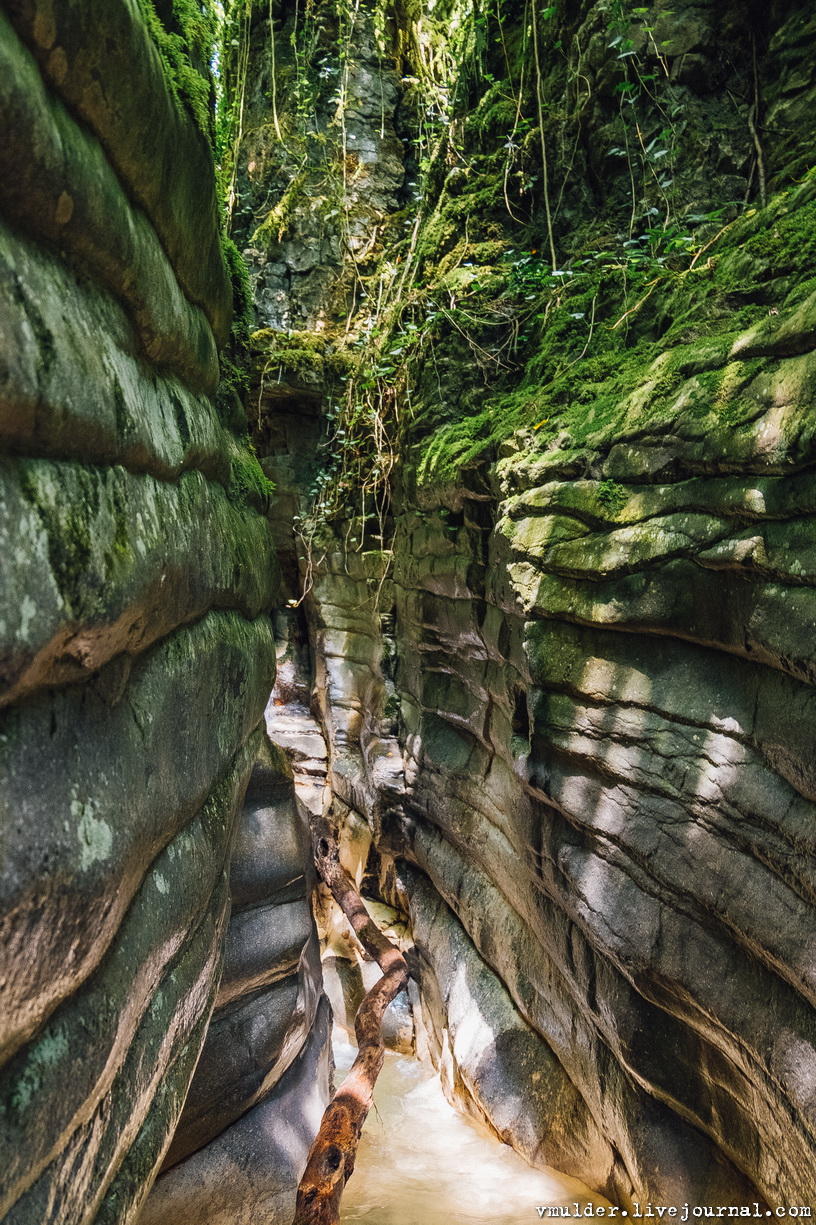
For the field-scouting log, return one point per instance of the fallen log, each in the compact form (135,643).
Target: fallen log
(332,1156)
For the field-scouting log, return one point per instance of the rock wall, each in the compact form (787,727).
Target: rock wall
(565,668)
(262,1081)
(138,572)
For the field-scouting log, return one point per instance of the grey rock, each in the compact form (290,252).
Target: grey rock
(59,185)
(250,1173)
(137,652)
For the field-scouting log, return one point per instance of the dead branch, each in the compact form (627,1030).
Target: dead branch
(332,1156)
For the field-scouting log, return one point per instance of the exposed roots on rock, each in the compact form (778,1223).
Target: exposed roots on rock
(332,1156)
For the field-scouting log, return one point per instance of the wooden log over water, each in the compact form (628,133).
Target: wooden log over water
(332,1156)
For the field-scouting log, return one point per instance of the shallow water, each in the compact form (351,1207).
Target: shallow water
(422,1163)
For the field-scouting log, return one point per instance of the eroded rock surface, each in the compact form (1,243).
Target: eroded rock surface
(262,1081)
(136,647)
(564,665)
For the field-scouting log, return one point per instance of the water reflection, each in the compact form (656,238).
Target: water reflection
(421,1163)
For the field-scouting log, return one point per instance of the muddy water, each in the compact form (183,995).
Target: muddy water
(421,1163)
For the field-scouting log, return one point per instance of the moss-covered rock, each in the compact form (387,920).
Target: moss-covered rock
(107,563)
(101,60)
(59,186)
(591,395)
(138,574)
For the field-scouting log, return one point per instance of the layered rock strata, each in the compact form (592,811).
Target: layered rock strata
(574,711)
(262,1081)
(605,731)
(136,649)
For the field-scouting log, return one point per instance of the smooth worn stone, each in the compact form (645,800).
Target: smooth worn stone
(136,649)
(243,1043)
(511,1077)
(59,186)
(132,1017)
(263,944)
(271,983)
(102,61)
(72,385)
(272,854)
(554,613)
(250,1173)
(102,566)
(173,726)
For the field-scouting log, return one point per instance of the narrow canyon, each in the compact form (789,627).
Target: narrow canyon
(405,411)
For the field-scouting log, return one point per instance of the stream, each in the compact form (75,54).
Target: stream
(419,1161)
(422,1163)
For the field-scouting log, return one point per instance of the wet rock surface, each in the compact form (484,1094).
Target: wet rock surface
(559,680)
(596,792)
(251,1170)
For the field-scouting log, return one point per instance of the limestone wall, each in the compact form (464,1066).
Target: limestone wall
(262,1081)
(576,714)
(136,649)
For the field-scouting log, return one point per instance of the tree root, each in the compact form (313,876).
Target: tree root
(332,1156)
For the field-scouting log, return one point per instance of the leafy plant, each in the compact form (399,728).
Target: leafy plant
(612,496)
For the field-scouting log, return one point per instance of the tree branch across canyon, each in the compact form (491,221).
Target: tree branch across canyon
(332,1156)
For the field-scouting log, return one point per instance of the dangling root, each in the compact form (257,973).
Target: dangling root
(332,1156)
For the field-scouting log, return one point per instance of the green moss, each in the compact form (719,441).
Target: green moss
(484,253)
(507,352)
(304,355)
(276,222)
(67,525)
(723,390)
(453,448)
(788,239)
(243,304)
(476,207)
(186,50)
(300,361)
(497,112)
(249,484)
(589,342)
(121,549)
(235,362)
